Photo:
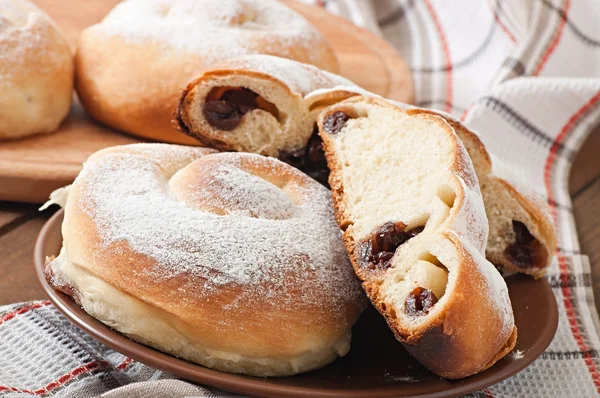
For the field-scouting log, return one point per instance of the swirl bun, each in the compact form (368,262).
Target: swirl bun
(230,260)
(167,43)
(240,185)
(263,104)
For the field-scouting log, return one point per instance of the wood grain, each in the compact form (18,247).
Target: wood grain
(13,213)
(31,168)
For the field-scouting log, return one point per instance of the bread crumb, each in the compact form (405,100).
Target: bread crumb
(516,355)
(402,378)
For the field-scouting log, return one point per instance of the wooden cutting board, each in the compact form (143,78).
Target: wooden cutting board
(33,167)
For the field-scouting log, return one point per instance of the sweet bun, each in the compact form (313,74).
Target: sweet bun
(407,200)
(132,66)
(36,71)
(521,237)
(233,261)
(261,104)
(281,100)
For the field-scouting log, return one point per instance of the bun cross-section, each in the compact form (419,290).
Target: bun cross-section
(408,201)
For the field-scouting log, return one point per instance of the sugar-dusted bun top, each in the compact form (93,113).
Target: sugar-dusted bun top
(170,42)
(246,186)
(36,71)
(300,78)
(220,29)
(225,241)
(25,28)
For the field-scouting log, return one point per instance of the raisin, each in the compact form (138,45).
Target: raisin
(310,159)
(382,245)
(419,301)
(522,252)
(226,113)
(385,236)
(522,256)
(335,122)
(522,234)
(243,99)
(382,259)
(221,115)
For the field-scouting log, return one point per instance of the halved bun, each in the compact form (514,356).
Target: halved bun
(408,201)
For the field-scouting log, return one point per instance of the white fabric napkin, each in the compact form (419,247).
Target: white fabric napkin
(524,74)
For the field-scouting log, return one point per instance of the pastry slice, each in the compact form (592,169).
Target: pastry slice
(262,104)
(521,232)
(408,202)
(269,105)
(521,237)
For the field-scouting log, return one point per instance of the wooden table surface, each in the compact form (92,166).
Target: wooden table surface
(20,224)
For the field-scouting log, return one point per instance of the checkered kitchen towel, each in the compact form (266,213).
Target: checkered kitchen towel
(525,74)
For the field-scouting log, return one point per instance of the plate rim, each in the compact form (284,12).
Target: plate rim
(241,383)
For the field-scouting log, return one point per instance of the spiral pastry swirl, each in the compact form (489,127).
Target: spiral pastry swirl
(230,260)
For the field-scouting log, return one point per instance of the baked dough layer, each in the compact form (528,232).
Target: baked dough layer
(132,66)
(230,260)
(36,71)
(408,201)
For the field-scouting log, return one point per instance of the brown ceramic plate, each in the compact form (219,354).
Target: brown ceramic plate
(377,365)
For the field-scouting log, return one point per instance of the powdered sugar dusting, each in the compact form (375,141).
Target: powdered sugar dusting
(399,378)
(470,221)
(214,29)
(261,199)
(517,354)
(299,77)
(317,94)
(24,35)
(129,198)
(496,287)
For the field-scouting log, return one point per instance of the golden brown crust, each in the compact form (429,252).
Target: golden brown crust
(545,227)
(453,346)
(450,344)
(192,303)
(287,84)
(134,84)
(541,223)
(533,205)
(142,107)
(186,100)
(36,71)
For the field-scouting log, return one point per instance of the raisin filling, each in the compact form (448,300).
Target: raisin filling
(524,252)
(225,106)
(335,122)
(310,159)
(380,248)
(419,301)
